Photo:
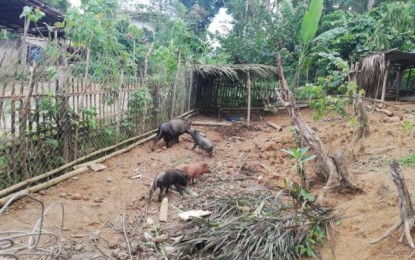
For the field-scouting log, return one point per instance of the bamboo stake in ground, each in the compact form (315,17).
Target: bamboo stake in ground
(407,216)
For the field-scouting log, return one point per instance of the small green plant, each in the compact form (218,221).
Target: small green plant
(407,127)
(299,154)
(307,246)
(407,160)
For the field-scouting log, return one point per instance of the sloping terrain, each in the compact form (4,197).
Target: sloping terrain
(98,204)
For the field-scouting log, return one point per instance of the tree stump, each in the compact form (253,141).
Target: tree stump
(362,118)
(407,216)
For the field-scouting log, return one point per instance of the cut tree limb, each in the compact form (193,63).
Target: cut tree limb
(164,210)
(407,216)
(277,127)
(385,111)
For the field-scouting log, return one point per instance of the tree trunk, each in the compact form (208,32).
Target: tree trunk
(323,165)
(173,105)
(362,118)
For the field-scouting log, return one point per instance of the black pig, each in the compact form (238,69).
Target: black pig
(165,179)
(170,131)
(202,142)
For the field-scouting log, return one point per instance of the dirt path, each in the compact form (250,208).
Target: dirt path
(95,202)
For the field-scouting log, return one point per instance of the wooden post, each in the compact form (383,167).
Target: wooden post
(24,115)
(248,82)
(119,106)
(173,105)
(398,82)
(385,80)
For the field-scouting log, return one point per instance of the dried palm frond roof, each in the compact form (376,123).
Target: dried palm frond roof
(371,73)
(231,71)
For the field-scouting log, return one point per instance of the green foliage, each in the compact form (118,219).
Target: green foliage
(407,127)
(62,5)
(310,21)
(408,160)
(301,157)
(307,246)
(33,15)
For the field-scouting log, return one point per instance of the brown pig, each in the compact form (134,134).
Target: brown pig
(194,170)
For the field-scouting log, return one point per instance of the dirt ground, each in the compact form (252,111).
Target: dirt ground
(98,204)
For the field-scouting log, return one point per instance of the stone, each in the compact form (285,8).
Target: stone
(113,243)
(109,179)
(98,200)
(135,248)
(79,247)
(96,167)
(42,192)
(76,196)
(123,255)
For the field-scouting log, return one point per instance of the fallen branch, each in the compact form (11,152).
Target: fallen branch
(407,216)
(126,237)
(211,123)
(47,184)
(277,127)
(385,111)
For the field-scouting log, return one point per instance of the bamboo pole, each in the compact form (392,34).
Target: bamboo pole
(63,167)
(128,148)
(46,184)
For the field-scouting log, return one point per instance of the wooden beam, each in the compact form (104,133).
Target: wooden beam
(385,80)
(248,116)
(398,82)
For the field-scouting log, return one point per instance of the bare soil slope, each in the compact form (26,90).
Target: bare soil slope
(95,202)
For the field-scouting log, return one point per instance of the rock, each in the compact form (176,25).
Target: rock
(79,247)
(116,252)
(123,245)
(135,248)
(123,255)
(42,192)
(75,178)
(113,243)
(109,179)
(96,167)
(394,119)
(98,200)
(153,165)
(76,196)
(63,194)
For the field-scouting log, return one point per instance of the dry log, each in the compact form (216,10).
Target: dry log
(47,184)
(211,123)
(385,111)
(407,216)
(279,128)
(164,210)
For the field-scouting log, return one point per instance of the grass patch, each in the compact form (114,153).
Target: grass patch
(407,160)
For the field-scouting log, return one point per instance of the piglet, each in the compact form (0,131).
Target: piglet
(165,179)
(202,142)
(194,170)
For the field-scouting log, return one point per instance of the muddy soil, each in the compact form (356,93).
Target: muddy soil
(100,205)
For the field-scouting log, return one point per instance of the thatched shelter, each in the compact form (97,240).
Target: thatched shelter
(381,74)
(239,86)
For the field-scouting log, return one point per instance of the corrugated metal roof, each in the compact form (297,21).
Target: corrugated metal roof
(10,11)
